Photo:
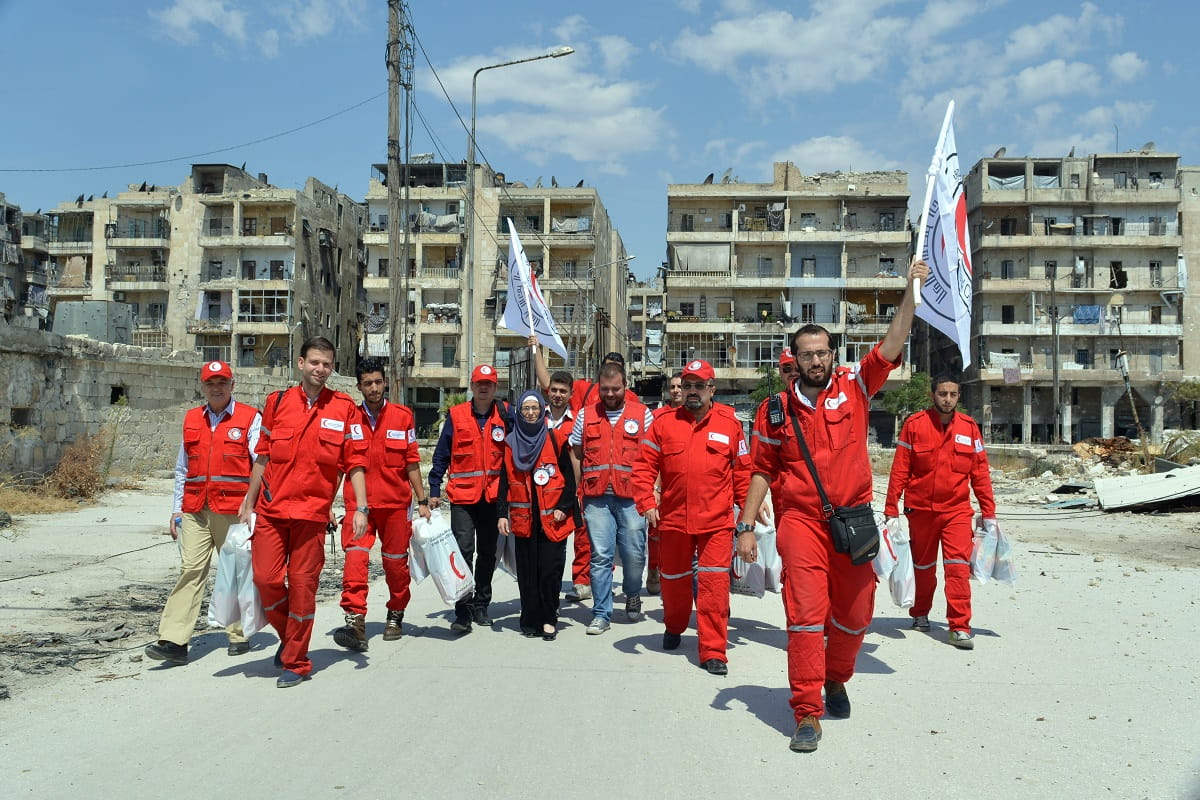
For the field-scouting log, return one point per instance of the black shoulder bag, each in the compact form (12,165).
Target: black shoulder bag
(852,528)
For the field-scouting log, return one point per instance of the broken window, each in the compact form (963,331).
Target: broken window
(249,268)
(687,222)
(1008,226)
(808,267)
(1117,278)
(1119,180)
(687,309)
(1083,357)
(1051,270)
(1007,270)
(250,226)
(808,312)
(1156,276)
(887,221)
(1155,179)
(1074,180)
(1155,315)
(1008,315)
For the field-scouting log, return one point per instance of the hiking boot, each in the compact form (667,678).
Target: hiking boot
(172,653)
(920,623)
(461,625)
(480,616)
(807,734)
(963,640)
(715,666)
(394,628)
(598,626)
(671,640)
(579,592)
(352,635)
(837,702)
(633,609)
(652,582)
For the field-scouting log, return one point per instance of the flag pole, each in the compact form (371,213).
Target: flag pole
(935,165)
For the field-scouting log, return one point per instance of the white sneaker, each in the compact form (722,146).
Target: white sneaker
(598,626)
(963,640)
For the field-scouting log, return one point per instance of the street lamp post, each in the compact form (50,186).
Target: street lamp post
(557,52)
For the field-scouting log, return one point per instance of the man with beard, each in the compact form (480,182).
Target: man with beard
(560,417)
(939,460)
(699,453)
(826,597)
(310,436)
(605,444)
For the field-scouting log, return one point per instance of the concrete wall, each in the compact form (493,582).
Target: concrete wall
(54,389)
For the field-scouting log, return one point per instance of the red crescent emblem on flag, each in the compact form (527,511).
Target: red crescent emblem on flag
(454,569)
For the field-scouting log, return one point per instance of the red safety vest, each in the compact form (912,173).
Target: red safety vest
(218,460)
(547,482)
(611,450)
(476,456)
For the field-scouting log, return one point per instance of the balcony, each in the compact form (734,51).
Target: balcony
(446,272)
(209,353)
(149,324)
(63,247)
(34,244)
(210,325)
(219,234)
(115,274)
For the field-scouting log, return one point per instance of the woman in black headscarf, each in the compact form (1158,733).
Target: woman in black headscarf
(537,504)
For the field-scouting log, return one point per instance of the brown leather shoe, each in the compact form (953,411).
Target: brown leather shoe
(807,734)
(352,635)
(395,628)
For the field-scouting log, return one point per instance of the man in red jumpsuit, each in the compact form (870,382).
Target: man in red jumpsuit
(561,418)
(700,454)
(939,460)
(393,479)
(824,594)
(310,435)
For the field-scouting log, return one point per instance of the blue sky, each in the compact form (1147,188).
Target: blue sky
(657,92)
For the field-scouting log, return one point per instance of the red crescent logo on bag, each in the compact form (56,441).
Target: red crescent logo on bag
(454,569)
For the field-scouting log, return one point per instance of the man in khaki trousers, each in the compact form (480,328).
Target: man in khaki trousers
(212,473)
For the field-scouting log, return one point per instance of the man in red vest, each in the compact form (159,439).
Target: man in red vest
(470,454)
(310,436)
(212,472)
(605,444)
(939,460)
(700,455)
(393,479)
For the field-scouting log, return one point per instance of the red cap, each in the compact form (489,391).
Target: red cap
(698,369)
(786,357)
(484,372)
(215,369)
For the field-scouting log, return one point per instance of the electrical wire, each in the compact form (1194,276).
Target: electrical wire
(325,118)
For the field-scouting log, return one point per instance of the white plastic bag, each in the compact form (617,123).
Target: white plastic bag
(442,558)
(885,560)
(903,579)
(983,550)
(768,556)
(235,597)
(506,553)
(1004,569)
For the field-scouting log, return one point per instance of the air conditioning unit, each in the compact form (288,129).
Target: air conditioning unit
(119,297)
(248,341)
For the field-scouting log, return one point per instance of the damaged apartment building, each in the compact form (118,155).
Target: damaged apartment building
(748,263)
(1080,281)
(451,315)
(225,264)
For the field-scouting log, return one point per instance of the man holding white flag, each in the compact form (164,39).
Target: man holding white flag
(526,312)
(943,242)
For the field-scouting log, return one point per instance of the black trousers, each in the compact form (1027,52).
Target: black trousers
(540,564)
(474,528)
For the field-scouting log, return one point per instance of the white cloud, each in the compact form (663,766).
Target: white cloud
(1061,33)
(690,6)
(183,18)
(616,51)
(832,153)
(1056,78)
(268,43)
(1126,67)
(732,152)
(780,54)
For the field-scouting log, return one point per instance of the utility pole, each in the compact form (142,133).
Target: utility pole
(400,72)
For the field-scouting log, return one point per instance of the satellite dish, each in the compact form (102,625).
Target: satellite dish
(726,174)
(538,183)
(1000,153)
(580,184)
(1148,147)
(709,179)
(1072,153)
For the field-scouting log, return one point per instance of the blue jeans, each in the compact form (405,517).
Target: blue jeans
(614,523)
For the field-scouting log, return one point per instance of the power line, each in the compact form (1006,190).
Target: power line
(325,118)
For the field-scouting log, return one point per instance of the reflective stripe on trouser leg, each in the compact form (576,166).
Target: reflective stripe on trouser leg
(956,565)
(712,594)
(292,554)
(675,552)
(395,531)
(925,537)
(355,584)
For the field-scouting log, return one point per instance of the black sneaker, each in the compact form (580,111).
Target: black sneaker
(238,648)
(671,640)
(172,653)
(633,609)
(480,616)
(715,666)
(461,625)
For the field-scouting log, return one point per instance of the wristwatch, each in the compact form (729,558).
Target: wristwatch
(743,527)
(423,502)
(363,509)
